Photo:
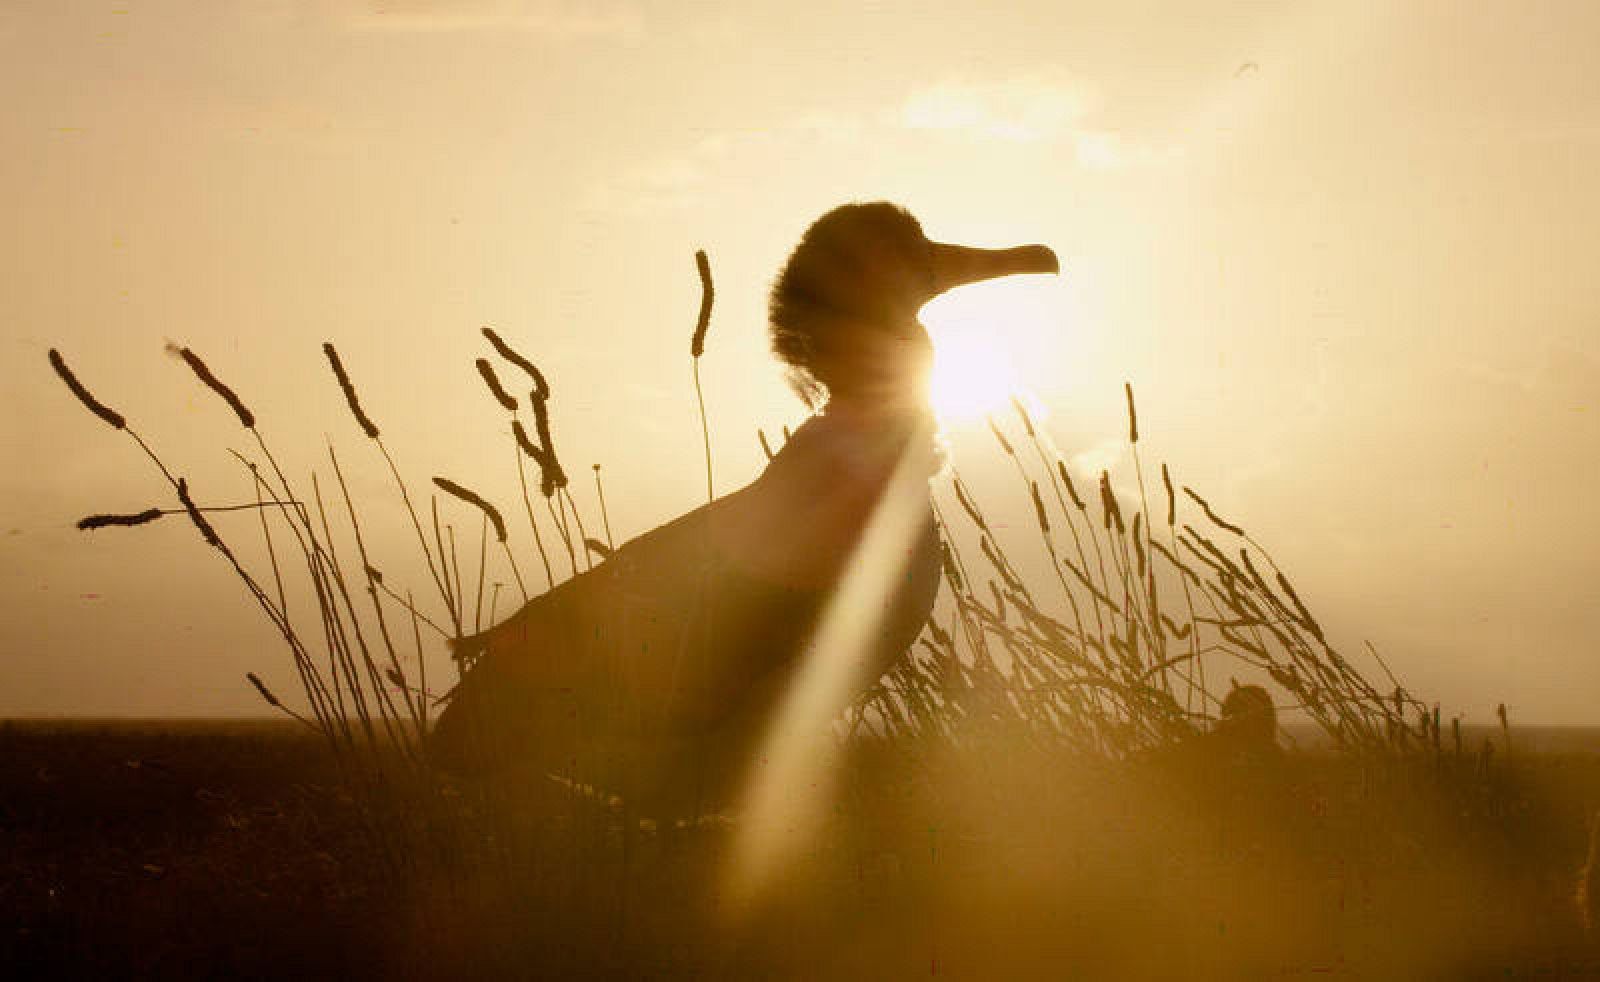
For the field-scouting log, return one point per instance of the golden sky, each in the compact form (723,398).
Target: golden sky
(1345,253)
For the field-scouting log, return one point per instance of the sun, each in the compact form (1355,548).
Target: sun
(978,334)
(971,378)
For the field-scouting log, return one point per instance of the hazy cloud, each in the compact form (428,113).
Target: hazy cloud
(1022,109)
(1029,109)
(563,20)
(1032,109)
(1109,150)
(1102,455)
(675,181)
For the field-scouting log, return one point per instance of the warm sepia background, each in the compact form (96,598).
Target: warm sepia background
(1345,253)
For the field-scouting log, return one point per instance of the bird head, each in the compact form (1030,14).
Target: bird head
(843,310)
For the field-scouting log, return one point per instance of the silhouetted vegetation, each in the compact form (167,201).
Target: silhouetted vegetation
(1080,769)
(234,849)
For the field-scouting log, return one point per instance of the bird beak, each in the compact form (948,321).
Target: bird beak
(955,265)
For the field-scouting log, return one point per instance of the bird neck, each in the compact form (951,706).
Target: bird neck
(875,411)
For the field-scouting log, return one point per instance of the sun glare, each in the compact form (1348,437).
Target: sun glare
(979,334)
(971,378)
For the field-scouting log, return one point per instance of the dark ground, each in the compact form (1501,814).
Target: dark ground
(230,850)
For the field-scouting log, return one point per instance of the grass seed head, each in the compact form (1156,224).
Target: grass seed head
(967,505)
(1108,504)
(554,476)
(1022,414)
(541,391)
(697,343)
(261,687)
(111,416)
(473,498)
(1001,437)
(547,483)
(1305,615)
(194,514)
(501,395)
(1133,416)
(525,443)
(350,399)
(247,419)
(102,521)
(1066,479)
(1172,504)
(1215,519)
(947,560)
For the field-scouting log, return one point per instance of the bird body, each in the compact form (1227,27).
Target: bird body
(686,635)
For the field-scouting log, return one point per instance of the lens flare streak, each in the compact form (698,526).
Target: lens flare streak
(790,783)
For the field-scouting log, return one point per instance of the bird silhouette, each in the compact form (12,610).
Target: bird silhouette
(658,671)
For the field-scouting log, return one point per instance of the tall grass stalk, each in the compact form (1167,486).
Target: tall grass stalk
(697,347)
